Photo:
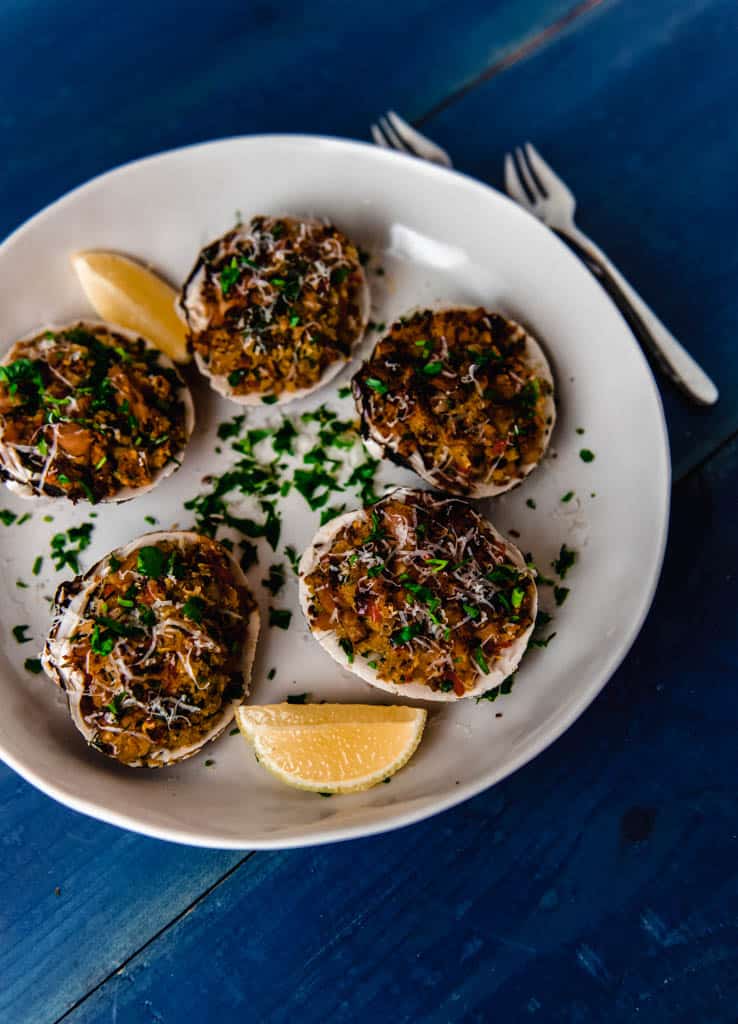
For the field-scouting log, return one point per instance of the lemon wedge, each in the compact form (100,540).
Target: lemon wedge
(127,293)
(332,748)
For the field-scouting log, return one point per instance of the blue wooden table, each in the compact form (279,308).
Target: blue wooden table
(600,883)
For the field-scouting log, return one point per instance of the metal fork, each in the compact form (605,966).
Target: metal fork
(392,132)
(533,184)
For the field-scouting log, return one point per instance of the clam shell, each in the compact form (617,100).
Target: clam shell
(503,666)
(22,481)
(69,605)
(381,447)
(195,315)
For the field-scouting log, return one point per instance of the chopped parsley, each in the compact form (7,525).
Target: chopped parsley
(560,595)
(541,643)
(363,479)
(146,615)
(315,485)
(7,517)
(348,648)
(339,275)
(280,617)
(432,369)
(504,688)
(193,608)
(283,437)
(330,513)
(530,503)
(503,575)
(377,532)
(586,455)
(19,632)
(23,375)
(568,496)
(33,665)
(230,428)
(37,564)
(293,558)
(275,580)
(405,635)
(65,548)
(297,698)
(101,643)
(115,705)
(564,562)
(249,556)
(377,385)
(481,660)
(151,562)
(229,275)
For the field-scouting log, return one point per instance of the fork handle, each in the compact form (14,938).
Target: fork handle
(672,357)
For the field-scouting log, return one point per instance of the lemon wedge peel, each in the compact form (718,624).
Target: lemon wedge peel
(125,292)
(332,748)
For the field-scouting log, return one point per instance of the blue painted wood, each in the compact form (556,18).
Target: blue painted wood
(78,897)
(598,883)
(83,93)
(636,109)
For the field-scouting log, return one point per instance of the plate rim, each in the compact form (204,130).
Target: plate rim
(429,806)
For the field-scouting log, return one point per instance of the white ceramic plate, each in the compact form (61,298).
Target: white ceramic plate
(439,237)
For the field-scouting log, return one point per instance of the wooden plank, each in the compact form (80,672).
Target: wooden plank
(598,883)
(78,897)
(636,109)
(442,909)
(82,94)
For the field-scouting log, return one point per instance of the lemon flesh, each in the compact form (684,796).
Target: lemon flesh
(127,293)
(332,748)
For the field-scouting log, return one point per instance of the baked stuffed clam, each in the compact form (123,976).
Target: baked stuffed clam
(464,397)
(91,412)
(275,308)
(154,647)
(419,595)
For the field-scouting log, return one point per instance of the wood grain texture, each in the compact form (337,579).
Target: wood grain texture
(82,94)
(635,107)
(78,897)
(598,883)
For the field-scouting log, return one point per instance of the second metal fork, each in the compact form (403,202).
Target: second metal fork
(533,184)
